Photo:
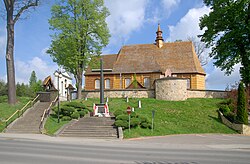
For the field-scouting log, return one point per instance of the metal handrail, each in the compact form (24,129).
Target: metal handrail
(18,111)
(45,114)
(35,99)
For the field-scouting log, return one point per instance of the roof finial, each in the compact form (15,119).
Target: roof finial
(159,40)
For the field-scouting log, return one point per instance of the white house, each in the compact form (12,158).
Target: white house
(63,81)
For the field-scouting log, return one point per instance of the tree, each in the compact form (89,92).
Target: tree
(200,48)
(33,78)
(3,88)
(242,116)
(227,31)
(14,10)
(80,34)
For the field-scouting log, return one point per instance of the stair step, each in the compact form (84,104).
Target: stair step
(91,127)
(30,122)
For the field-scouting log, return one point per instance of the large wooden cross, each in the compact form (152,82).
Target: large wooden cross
(101,70)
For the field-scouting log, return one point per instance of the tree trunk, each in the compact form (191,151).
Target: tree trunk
(10,60)
(79,84)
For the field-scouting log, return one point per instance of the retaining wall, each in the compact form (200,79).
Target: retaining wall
(133,93)
(169,88)
(241,128)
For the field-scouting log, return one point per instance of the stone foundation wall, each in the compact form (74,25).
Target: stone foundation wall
(173,89)
(143,93)
(241,128)
(170,88)
(206,94)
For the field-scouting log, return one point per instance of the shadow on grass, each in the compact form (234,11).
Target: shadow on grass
(53,115)
(215,118)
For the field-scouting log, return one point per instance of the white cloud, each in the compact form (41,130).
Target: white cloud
(125,17)
(218,80)
(43,52)
(188,26)
(41,67)
(170,5)
(2,43)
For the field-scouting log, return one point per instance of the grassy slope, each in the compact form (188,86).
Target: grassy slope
(52,125)
(7,110)
(182,117)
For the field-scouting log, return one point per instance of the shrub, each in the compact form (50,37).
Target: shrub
(81,113)
(75,115)
(67,110)
(3,99)
(143,119)
(224,109)
(121,123)
(242,116)
(118,112)
(66,118)
(146,125)
(90,110)
(133,115)
(122,117)
(134,122)
(231,116)
(76,105)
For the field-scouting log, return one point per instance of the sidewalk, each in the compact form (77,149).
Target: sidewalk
(46,138)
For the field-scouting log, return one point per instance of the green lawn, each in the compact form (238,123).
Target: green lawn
(52,125)
(181,117)
(7,110)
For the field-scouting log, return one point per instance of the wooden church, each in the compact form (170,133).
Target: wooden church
(144,63)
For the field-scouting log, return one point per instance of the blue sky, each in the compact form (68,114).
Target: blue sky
(130,22)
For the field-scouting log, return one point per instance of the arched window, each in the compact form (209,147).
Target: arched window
(146,82)
(97,84)
(107,83)
(188,84)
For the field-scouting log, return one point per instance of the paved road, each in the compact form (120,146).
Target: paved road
(176,149)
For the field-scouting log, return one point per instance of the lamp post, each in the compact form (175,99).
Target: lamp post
(58,74)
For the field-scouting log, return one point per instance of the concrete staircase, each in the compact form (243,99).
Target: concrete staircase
(30,122)
(91,127)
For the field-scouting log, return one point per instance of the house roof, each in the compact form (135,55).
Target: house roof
(178,57)
(70,87)
(46,80)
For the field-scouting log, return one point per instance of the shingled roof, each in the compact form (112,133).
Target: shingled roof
(179,57)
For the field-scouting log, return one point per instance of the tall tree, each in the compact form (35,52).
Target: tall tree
(33,78)
(200,49)
(227,31)
(14,10)
(80,34)
(242,116)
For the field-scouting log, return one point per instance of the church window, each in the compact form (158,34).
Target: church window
(97,84)
(188,84)
(107,83)
(146,82)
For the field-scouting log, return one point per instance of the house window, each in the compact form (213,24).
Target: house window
(146,82)
(127,82)
(107,83)
(188,84)
(97,84)
(61,91)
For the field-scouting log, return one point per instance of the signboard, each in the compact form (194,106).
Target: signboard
(128,110)
(153,113)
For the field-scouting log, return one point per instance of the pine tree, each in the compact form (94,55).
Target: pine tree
(242,116)
(33,78)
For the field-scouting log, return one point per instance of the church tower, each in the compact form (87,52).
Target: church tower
(159,40)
